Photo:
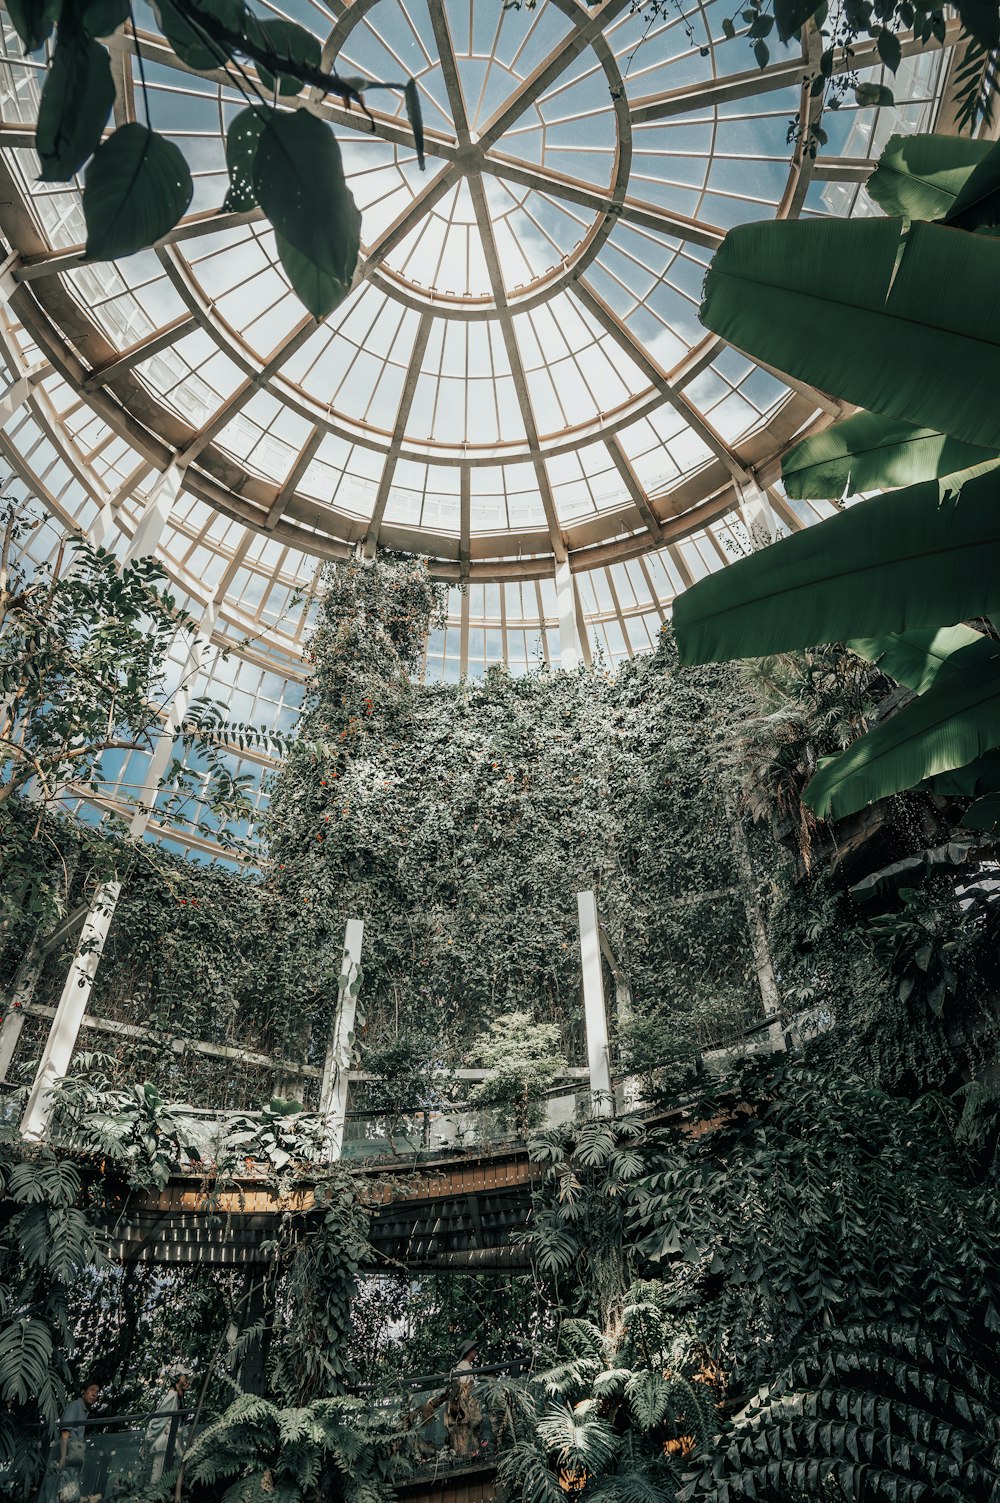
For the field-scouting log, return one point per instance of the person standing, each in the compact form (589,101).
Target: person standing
(165,1423)
(463,1416)
(72,1439)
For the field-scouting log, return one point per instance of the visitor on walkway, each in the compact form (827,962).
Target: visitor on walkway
(73,1442)
(165,1424)
(463,1416)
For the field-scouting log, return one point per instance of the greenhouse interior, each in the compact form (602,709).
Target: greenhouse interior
(499,751)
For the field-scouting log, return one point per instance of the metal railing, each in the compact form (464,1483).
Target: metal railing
(120,1455)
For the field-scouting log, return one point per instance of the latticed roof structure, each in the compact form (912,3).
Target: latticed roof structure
(517,386)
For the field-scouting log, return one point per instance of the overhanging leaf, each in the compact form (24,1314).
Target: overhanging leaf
(895,563)
(415,115)
(191,34)
(137,188)
(868,452)
(918,342)
(300,185)
(100,18)
(915,658)
(77,98)
(981,19)
(242,140)
(33,20)
(978,203)
(920,177)
(955,721)
(984,814)
(972,780)
(287,42)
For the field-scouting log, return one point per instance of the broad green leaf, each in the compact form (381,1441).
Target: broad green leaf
(137,188)
(77,100)
(895,563)
(972,780)
(868,452)
(915,658)
(919,177)
(824,301)
(102,17)
(299,181)
(242,139)
(984,814)
(981,19)
(192,36)
(870,94)
(33,20)
(287,42)
(955,721)
(978,204)
(415,115)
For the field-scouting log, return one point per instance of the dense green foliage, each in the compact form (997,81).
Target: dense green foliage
(889,301)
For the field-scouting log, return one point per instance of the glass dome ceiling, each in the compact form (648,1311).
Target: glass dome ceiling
(518,376)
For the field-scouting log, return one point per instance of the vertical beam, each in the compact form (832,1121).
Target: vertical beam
(570,654)
(70,1010)
(758,518)
(150,526)
(10,1036)
(79,985)
(336,1068)
(595,1011)
(769,994)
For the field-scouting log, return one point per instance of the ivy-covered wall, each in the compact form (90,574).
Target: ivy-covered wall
(459,822)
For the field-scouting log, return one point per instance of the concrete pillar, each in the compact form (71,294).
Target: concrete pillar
(336,1069)
(595,1010)
(70,1011)
(15,396)
(570,654)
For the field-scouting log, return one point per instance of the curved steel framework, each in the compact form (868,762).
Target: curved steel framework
(516,386)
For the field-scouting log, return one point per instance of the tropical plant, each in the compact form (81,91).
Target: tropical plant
(46,1242)
(522,1060)
(133,1128)
(330,1449)
(617,1417)
(137,183)
(890,302)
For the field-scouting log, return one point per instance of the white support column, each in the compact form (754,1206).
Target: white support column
(336,1069)
(595,1011)
(155,513)
(10,1036)
(79,984)
(570,655)
(70,1010)
(15,396)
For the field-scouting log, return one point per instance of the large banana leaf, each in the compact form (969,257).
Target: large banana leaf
(825,301)
(975,778)
(868,452)
(919,177)
(978,203)
(915,658)
(895,563)
(955,721)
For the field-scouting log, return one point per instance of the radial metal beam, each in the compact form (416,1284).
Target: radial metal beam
(492,257)
(783,74)
(143,349)
(192,227)
(294,478)
(413,370)
(449,70)
(631,481)
(590,196)
(549,68)
(657,377)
